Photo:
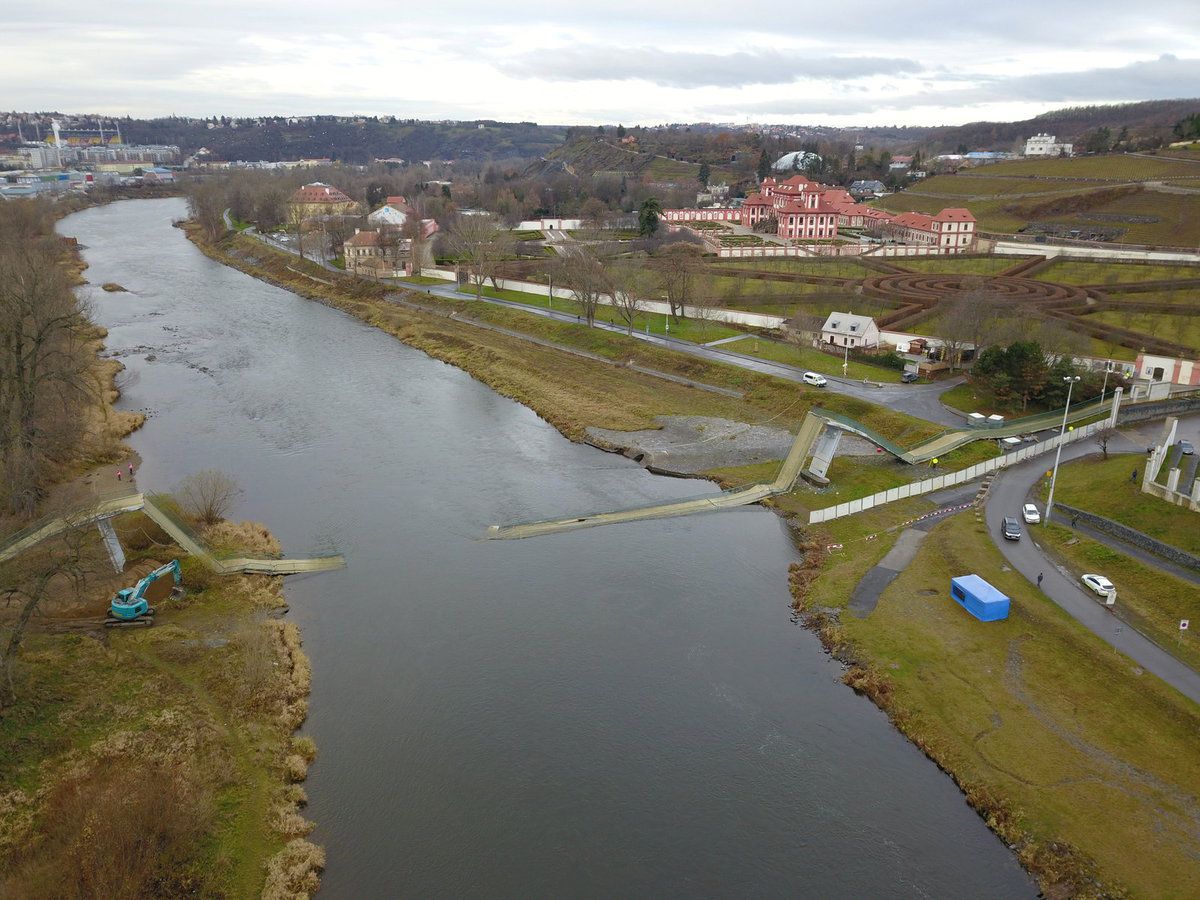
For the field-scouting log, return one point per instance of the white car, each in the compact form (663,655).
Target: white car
(814,378)
(1031,514)
(1099,584)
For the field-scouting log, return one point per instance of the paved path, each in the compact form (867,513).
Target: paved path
(868,591)
(1006,497)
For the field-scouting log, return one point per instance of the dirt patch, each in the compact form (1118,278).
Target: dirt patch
(689,445)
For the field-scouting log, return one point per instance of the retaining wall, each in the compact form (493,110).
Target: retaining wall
(1157,409)
(1132,536)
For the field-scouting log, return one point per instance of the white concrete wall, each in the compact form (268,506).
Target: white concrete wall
(938,482)
(1101,253)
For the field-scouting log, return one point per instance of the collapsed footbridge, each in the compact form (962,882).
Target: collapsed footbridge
(101,513)
(815,443)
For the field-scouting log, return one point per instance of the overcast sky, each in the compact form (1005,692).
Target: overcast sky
(577,61)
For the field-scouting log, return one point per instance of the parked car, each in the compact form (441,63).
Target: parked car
(1011,529)
(1099,584)
(909,377)
(1030,513)
(1187,448)
(814,378)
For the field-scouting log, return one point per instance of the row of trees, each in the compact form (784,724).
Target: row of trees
(47,376)
(1024,371)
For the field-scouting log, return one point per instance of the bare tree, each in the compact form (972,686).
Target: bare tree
(1102,437)
(679,270)
(581,273)
(627,283)
(413,231)
(206,205)
(46,364)
(297,216)
(481,245)
(28,581)
(206,496)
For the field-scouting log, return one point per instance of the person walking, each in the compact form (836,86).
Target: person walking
(118,474)
(1133,477)
(131,471)
(1040,576)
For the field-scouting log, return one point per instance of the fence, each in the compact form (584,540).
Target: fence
(951,479)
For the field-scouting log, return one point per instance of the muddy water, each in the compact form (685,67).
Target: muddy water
(622,711)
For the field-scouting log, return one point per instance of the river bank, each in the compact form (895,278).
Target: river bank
(1035,836)
(152,761)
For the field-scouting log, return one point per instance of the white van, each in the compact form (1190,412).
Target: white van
(814,378)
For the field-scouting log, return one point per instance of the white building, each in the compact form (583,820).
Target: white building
(1045,145)
(849,330)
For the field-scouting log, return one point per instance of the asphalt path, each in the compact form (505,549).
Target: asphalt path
(915,399)
(1008,493)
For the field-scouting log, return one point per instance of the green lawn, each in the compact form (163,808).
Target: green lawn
(657,323)
(1114,166)
(423,280)
(1072,271)
(1102,486)
(1149,599)
(1054,735)
(837,267)
(808,358)
(1183,329)
(968,265)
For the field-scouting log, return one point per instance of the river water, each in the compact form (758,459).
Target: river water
(614,712)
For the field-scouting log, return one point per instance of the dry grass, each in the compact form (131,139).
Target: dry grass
(294,872)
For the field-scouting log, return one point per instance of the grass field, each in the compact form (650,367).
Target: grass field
(981,265)
(1103,487)
(1071,271)
(684,329)
(808,358)
(1116,167)
(1052,734)
(997,201)
(172,737)
(1183,329)
(837,267)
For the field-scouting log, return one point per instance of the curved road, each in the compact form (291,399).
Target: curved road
(1006,497)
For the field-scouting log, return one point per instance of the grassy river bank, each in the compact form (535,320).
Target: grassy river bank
(158,761)
(1061,746)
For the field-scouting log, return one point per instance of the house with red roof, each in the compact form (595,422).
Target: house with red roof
(319,199)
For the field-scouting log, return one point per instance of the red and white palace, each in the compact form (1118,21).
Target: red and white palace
(806,210)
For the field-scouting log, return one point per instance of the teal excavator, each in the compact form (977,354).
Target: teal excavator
(131,606)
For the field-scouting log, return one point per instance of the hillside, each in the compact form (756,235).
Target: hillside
(1128,198)
(355,141)
(1144,120)
(598,157)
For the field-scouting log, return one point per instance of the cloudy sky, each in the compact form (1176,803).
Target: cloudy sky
(646,62)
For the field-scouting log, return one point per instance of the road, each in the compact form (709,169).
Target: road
(920,400)
(1008,494)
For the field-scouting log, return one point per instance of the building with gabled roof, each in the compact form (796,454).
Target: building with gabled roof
(319,199)
(849,330)
(951,231)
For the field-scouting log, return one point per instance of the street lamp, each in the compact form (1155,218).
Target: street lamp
(1108,367)
(846,360)
(1070,381)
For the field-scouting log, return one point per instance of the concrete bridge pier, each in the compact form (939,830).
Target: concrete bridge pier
(823,454)
(112,543)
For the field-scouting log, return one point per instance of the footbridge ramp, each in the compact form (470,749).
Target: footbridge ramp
(105,509)
(789,471)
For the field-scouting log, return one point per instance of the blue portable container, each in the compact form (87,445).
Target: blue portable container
(979,598)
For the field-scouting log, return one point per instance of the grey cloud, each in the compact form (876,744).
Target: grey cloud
(1165,78)
(689,70)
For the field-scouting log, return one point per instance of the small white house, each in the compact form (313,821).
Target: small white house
(849,330)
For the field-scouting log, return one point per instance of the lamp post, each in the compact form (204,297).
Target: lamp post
(1108,367)
(846,360)
(1070,381)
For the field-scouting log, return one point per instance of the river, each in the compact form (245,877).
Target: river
(613,712)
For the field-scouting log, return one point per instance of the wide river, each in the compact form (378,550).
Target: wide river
(624,711)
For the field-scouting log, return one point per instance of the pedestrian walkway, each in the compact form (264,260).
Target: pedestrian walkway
(106,509)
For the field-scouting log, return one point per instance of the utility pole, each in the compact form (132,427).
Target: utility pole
(1070,380)
(846,362)
(1108,367)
